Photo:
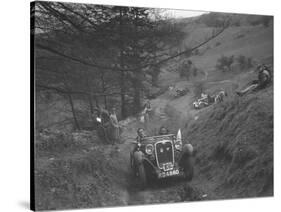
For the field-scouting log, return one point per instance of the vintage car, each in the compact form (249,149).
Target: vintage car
(205,101)
(180,92)
(161,157)
(200,103)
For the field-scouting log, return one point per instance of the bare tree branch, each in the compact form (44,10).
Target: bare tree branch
(189,50)
(135,69)
(64,91)
(75,58)
(78,14)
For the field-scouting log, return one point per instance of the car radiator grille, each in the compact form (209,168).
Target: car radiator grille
(164,153)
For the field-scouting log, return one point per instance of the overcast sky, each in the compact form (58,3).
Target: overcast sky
(184,13)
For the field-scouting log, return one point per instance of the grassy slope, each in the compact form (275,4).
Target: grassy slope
(234,141)
(76,173)
(251,41)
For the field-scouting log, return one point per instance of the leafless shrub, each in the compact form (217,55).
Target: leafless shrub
(218,43)
(224,62)
(244,62)
(239,36)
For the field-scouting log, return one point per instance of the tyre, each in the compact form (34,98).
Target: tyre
(201,105)
(142,176)
(188,169)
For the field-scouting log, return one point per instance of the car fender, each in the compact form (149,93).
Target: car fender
(140,158)
(187,151)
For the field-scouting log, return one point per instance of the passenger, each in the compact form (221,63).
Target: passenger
(264,78)
(163,131)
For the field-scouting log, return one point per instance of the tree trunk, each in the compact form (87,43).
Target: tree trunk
(122,95)
(156,71)
(90,96)
(122,75)
(137,92)
(73,112)
(138,73)
(103,90)
(91,104)
(137,101)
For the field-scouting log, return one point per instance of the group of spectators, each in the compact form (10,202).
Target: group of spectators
(107,124)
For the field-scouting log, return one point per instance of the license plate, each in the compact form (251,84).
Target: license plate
(168,166)
(168,173)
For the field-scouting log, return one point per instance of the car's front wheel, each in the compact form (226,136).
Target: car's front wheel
(201,105)
(188,169)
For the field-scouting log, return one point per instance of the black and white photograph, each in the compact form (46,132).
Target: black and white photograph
(138,105)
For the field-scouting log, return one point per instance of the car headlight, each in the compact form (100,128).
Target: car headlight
(178,143)
(149,149)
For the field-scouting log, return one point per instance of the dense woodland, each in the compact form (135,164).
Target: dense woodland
(105,56)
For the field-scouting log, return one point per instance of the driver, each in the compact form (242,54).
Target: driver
(163,131)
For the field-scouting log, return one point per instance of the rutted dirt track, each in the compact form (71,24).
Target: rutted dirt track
(164,191)
(167,190)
